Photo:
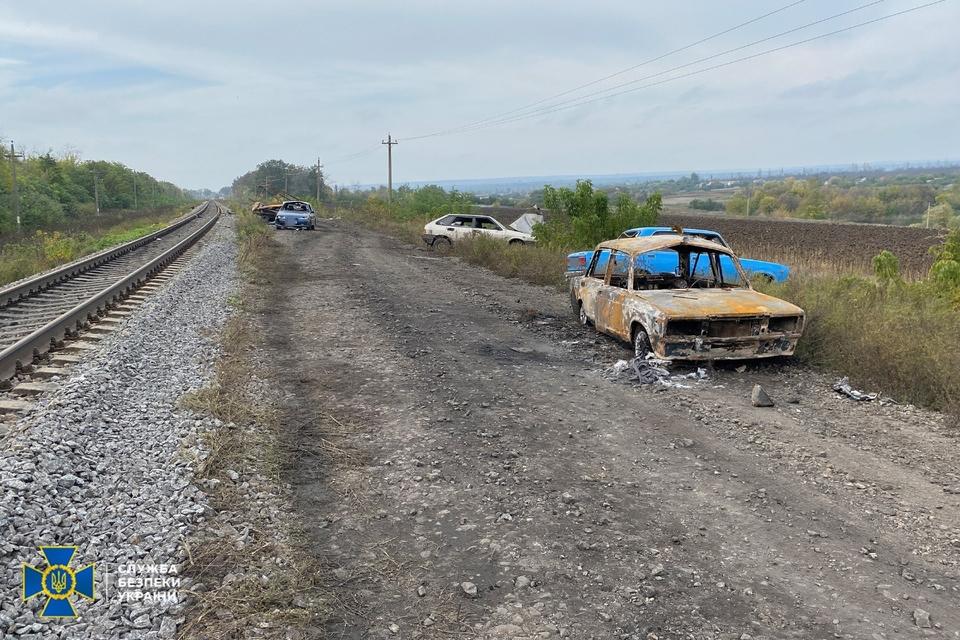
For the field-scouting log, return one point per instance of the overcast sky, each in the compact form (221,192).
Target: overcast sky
(200,92)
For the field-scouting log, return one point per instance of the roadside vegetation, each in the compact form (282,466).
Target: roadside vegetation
(42,250)
(887,334)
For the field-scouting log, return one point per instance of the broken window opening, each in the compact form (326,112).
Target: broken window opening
(685,268)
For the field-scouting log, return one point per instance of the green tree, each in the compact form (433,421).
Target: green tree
(582,217)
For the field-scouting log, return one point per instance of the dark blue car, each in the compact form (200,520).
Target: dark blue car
(664,261)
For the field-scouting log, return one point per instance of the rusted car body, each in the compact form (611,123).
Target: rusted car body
(689,313)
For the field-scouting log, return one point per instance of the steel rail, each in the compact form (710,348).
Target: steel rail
(39,283)
(23,352)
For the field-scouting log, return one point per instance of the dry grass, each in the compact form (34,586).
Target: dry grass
(900,339)
(249,559)
(527,262)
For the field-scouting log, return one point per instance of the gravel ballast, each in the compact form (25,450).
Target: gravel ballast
(101,463)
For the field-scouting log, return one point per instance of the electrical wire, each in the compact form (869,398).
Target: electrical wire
(636,66)
(548,108)
(711,68)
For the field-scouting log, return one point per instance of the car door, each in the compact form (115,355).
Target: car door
(593,281)
(610,297)
(487,226)
(460,227)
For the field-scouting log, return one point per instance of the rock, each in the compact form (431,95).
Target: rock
(567,498)
(759,397)
(656,570)
(506,631)
(421,591)
(394,628)
(469,589)
(921,618)
(521,582)
(428,622)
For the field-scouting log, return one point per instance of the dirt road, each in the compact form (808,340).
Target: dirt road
(454,427)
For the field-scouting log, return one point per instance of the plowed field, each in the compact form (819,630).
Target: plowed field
(808,243)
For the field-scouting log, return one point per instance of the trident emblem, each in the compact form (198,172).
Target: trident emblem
(58,582)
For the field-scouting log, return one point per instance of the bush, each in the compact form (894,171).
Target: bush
(707,205)
(583,217)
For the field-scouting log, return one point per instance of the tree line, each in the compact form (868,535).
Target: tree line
(55,191)
(901,200)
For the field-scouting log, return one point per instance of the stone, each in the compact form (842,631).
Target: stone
(921,618)
(759,397)
(521,582)
(469,589)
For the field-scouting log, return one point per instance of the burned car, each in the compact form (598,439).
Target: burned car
(675,296)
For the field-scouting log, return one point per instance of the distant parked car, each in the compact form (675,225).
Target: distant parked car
(687,308)
(770,271)
(294,214)
(443,231)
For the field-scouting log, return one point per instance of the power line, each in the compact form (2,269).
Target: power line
(369,151)
(356,155)
(606,93)
(549,108)
(632,68)
(711,68)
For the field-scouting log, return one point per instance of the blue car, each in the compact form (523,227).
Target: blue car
(295,214)
(664,261)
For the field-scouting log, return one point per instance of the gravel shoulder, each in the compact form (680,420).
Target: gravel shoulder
(493,482)
(104,461)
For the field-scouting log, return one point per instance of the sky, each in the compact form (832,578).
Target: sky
(200,92)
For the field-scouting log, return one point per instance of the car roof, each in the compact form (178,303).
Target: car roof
(642,244)
(295,202)
(685,230)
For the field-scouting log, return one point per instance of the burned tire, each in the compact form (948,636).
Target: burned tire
(584,320)
(441,245)
(641,342)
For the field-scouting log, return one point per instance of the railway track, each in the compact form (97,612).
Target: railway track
(38,314)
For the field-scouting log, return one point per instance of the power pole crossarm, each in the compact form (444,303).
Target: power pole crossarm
(389,142)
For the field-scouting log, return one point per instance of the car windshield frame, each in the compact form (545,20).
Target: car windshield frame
(668,280)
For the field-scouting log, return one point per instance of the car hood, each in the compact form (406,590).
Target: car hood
(716,303)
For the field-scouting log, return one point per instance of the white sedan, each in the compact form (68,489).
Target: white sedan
(443,231)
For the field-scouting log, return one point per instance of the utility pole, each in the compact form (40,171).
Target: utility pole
(96,192)
(319,169)
(15,194)
(135,206)
(389,142)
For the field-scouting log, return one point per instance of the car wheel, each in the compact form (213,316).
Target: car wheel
(515,242)
(441,244)
(584,320)
(641,342)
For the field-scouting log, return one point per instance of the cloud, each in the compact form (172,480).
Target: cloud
(198,93)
